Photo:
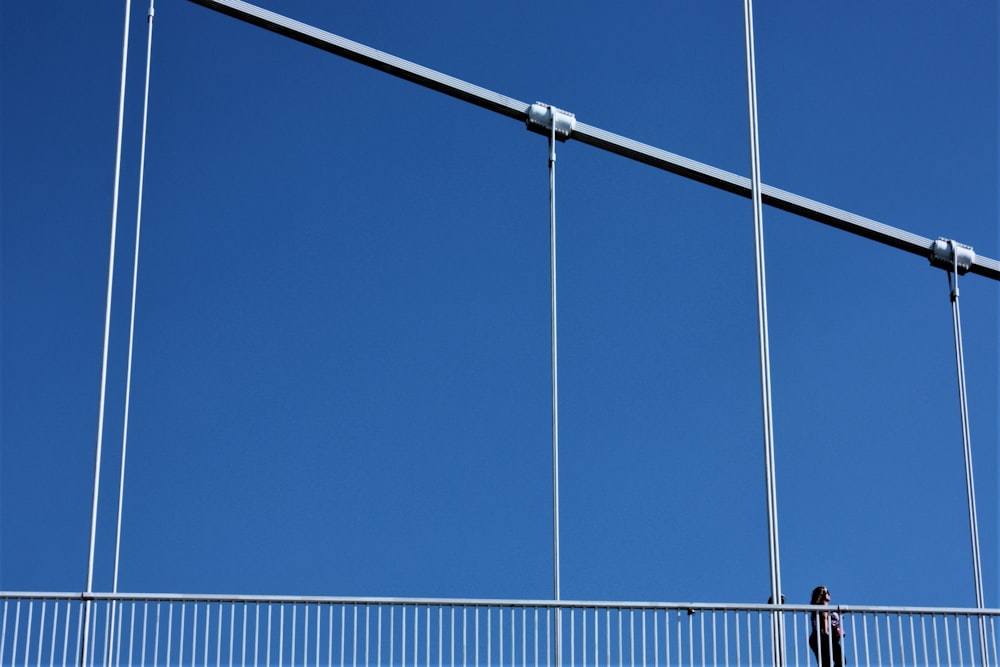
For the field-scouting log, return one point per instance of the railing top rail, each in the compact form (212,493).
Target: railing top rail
(480,602)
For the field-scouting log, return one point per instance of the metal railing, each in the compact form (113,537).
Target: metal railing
(47,629)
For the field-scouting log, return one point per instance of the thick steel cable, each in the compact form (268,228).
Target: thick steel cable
(765,355)
(555,379)
(107,330)
(970,485)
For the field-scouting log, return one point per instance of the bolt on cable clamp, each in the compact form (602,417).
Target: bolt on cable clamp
(947,254)
(543,117)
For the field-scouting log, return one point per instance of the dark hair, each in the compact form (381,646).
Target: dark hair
(818,594)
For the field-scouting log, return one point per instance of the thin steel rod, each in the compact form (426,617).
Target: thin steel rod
(764,345)
(135,279)
(107,335)
(587,134)
(555,381)
(970,484)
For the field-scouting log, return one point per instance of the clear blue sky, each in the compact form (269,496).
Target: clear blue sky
(341,377)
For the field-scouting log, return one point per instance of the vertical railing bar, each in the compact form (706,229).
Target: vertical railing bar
(243,649)
(476,644)
(500,637)
(218,636)
(368,641)
(607,635)
(760,637)
(878,639)
(27,635)
(642,621)
(958,639)
(465,634)
(701,619)
(631,636)
(597,633)
(267,644)
(947,639)
(993,640)
(888,637)
(489,638)
(66,624)
(536,636)
(864,626)
(725,638)
(305,635)
(142,654)
(934,634)
(319,629)
(79,632)
(295,627)
(736,627)
(41,632)
(715,641)
(343,633)
(208,631)
(968,625)
(3,630)
(452,647)
(194,631)
(180,640)
(513,637)
(354,640)
(913,642)
(93,637)
(329,636)
(666,635)
(572,637)
(548,640)
(281,634)
(902,639)
(621,644)
(256,633)
(402,639)
(131,637)
(232,628)
(524,636)
(156,636)
(690,625)
(923,638)
(170,630)
(427,639)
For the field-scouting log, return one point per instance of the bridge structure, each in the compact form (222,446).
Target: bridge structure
(113,628)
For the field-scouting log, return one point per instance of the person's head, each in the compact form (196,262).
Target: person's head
(821,595)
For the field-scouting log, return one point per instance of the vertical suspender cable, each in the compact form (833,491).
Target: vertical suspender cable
(555,381)
(135,280)
(107,328)
(131,330)
(967,446)
(765,355)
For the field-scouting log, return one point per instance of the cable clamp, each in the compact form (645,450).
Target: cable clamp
(543,117)
(949,255)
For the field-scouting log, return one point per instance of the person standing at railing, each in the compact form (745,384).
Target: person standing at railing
(824,640)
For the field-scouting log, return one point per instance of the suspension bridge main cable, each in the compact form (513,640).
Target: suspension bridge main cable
(593,136)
